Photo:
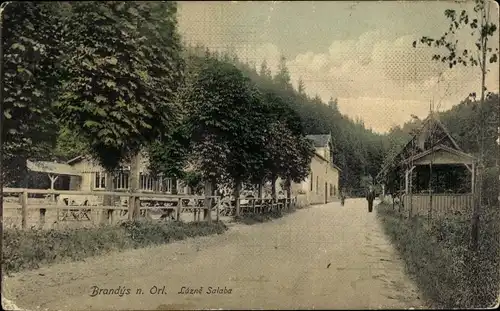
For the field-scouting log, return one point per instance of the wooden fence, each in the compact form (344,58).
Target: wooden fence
(88,206)
(69,205)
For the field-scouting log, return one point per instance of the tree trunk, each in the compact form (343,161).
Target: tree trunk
(1,128)
(479,189)
(259,190)
(134,202)
(288,192)
(273,191)
(431,192)
(273,188)
(207,213)
(108,200)
(237,190)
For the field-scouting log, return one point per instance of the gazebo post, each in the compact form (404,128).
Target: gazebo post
(53,180)
(407,186)
(473,177)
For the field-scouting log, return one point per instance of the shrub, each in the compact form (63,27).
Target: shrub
(28,249)
(253,218)
(438,256)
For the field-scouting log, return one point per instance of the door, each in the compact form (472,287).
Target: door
(326,193)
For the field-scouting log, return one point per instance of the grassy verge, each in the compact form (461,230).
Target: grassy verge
(28,249)
(437,255)
(257,218)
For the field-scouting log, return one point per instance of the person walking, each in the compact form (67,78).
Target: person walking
(342,197)
(370,197)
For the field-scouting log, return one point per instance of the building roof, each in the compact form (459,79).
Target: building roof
(75,159)
(52,168)
(320,140)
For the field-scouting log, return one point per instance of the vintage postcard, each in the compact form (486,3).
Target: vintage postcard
(162,155)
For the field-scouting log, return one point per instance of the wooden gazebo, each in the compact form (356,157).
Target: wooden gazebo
(432,171)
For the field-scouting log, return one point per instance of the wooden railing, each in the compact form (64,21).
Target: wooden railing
(255,205)
(167,203)
(442,204)
(77,205)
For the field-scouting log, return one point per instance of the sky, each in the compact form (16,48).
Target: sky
(358,52)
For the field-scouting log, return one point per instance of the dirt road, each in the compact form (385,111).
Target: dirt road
(322,257)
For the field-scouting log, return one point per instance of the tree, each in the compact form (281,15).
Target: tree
(481,29)
(121,69)
(168,155)
(226,124)
(297,161)
(301,87)
(69,145)
(333,104)
(286,152)
(31,79)
(282,77)
(138,75)
(265,71)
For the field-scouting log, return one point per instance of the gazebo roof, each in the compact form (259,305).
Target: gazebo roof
(430,123)
(52,168)
(441,154)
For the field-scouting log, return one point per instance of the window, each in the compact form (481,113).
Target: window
(120,181)
(180,187)
(146,182)
(334,190)
(167,185)
(317,184)
(312,182)
(331,190)
(99,180)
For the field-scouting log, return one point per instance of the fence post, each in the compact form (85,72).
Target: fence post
(24,208)
(178,210)
(131,208)
(137,208)
(111,216)
(42,217)
(195,209)
(217,209)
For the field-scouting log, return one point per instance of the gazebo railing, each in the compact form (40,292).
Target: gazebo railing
(442,203)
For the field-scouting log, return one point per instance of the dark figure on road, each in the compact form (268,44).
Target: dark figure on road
(342,198)
(370,196)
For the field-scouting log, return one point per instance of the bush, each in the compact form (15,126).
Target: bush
(438,256)
(254,218)
(27,249)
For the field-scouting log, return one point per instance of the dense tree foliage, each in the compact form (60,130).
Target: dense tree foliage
(31,48)
(122,68)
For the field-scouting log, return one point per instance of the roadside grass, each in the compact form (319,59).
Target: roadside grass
(257,218)
(438,257)
(28,249)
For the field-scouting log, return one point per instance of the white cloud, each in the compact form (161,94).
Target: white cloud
(375,76)
(381,80)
